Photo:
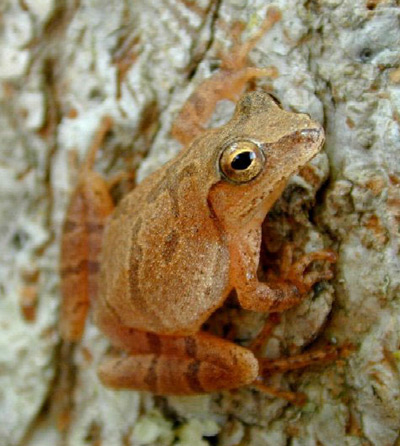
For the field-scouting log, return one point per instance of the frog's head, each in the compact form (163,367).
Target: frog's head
(261,147)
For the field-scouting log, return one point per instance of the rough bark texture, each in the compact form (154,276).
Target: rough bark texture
(66,64)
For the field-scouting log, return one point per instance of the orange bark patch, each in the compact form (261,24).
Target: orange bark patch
(28,301)
(394,76)
(350,123)
(374,224)
(309,174)
(376,185)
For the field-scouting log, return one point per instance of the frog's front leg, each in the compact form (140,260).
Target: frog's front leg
(176,365)
(294,271)
(280,292)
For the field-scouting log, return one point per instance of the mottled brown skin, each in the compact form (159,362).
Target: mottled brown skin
(178,244)
(184,238)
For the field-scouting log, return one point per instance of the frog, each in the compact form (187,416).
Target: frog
(157,266)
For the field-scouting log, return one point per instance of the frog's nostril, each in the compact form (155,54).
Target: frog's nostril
(313,134)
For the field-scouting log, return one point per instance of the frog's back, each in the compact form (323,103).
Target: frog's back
(165,262)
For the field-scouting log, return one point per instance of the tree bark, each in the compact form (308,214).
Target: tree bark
(67,64)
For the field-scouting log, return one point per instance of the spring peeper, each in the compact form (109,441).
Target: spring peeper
(178,244)
(156,267)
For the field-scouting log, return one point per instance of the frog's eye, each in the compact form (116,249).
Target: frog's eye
(241,161)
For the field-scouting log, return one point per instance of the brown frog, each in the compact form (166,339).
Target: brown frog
(178,244)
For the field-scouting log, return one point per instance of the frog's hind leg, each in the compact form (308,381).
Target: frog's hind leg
(177,365)
(89,207)
(198,109)
(228,82)
(269,367)
(331,353)
(238,54)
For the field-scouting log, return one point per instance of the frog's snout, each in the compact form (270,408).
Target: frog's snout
(315,135)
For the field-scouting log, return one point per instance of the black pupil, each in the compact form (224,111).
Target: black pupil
(243,160)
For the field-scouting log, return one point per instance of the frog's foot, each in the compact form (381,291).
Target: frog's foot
(296,398)
(298,273)
(330,353)
(283,288)
(121,177)
(296,277)
(238,54)
(269,367)
(177,365)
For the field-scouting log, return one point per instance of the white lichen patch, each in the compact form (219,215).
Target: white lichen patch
(92,419)
(28,280)
(153,428)
(193,432)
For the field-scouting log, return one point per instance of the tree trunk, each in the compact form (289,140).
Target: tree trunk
(67,64)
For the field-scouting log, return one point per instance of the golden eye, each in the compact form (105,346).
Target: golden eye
(241,161)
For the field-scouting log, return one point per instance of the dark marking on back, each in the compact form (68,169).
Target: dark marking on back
(173,184)
(169,246)
(134,259)
(170,183)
